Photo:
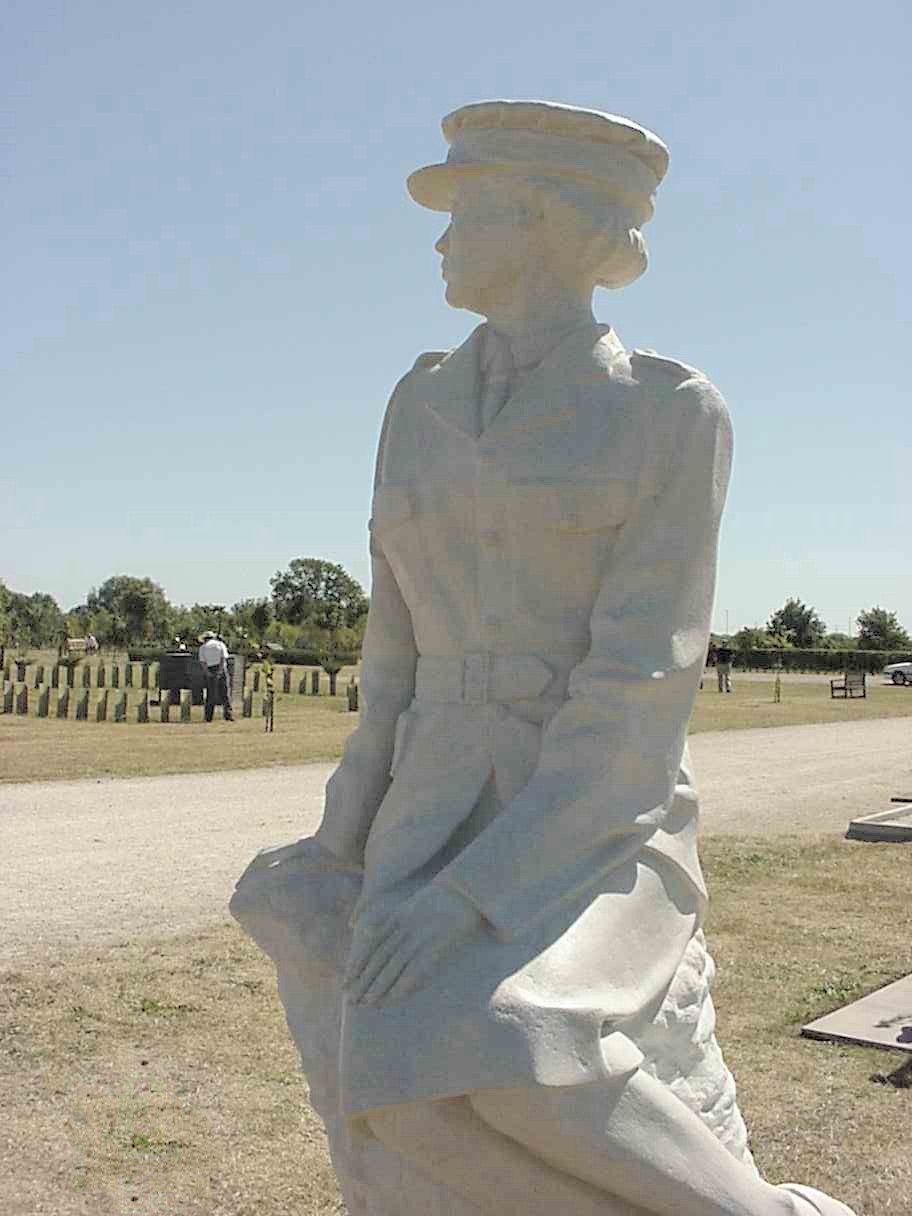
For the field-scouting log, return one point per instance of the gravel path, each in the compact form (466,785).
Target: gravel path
(88,862)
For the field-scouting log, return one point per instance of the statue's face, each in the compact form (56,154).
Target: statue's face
(489,247)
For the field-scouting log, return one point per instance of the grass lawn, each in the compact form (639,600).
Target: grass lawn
(315,728)
(159,1077)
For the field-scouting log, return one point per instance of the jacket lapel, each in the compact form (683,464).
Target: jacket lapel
(451,389)
(543,399)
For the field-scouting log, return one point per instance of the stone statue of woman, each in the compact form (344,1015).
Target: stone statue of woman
(491,953)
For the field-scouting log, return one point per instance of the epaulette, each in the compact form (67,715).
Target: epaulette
(430,358)
(647,362)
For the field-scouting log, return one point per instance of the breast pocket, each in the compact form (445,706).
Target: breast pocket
(570,508)
(562,535)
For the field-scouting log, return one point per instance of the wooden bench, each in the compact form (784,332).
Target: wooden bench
(852,684)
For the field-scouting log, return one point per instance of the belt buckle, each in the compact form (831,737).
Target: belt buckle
(475,673)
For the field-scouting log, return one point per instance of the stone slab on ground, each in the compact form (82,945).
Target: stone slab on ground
(892,825)
(880,1019)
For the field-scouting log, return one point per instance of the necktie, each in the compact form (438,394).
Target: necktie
(496,371)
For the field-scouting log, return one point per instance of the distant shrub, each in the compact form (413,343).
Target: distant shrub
(796,659)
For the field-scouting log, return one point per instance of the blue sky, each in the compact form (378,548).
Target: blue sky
(215,276)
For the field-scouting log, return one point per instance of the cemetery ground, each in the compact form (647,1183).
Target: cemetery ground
(309,728)
(147,1071)
(158,1075)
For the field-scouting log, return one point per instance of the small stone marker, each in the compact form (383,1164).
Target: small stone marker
(144,675)
(174,697)
(44,701)
(333,677)
(892,825)
(256,681)
(120,708)
(101,709)
(165,709)
(82,707)
(351,691)
(63,704)
(128,675)
(22,700)
(102,679)
(8,696)
(39,675)
(115,675)
(70,675)
(286,679)
(86,676)
(21,670)
(185,704)
(55,676)
(314,683)
(247,706)
(302,685)
(142,709)
(880,1019)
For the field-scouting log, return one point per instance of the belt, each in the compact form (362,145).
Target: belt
(476,679)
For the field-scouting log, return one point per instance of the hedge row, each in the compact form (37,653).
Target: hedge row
(871,661)
(281,658)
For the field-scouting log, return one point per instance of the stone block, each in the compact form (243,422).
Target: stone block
(101,709)
(55,676)
(101,678)
(286,679)
(144,675)
(302,685)
(256,681)
(247,706)
(142,709)
(63,703)
(86,676)
(314,683)
(351,692)
(44,700)
(120,708)
(39,675)
(165,708)
(115,675)
(82,707)
(128,675)
(186,705)
(9,693)
(22,700)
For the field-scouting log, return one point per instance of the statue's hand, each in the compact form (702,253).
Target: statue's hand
(398,954)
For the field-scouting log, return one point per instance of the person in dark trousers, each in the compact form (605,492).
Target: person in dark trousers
(724,656)
(213,654)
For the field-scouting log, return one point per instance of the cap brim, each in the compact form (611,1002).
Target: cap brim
(433,186)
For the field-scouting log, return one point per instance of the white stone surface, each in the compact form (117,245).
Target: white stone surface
(511,834)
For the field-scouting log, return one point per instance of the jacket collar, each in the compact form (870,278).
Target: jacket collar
(451,390)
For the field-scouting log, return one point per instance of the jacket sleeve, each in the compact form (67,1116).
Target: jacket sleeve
(610,756)
(388,658)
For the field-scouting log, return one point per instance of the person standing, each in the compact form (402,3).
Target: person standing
(724,656)
(213,654)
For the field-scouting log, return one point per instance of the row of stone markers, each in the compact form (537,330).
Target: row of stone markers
(173,706)
(117,675)
(70,675)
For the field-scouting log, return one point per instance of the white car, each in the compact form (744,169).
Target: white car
(899,673)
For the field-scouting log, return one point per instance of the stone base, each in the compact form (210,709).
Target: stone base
(295,902)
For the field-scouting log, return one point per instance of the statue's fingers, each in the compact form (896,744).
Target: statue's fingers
(420,968)
(364,947)
(359,984)
(385,980)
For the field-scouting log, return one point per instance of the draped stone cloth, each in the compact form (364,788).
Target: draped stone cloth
(540,608)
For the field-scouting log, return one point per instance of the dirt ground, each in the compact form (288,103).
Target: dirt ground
(93,861)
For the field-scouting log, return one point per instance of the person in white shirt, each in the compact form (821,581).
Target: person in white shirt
(213,654)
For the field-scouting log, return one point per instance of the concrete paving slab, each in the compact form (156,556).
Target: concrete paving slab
(880,1019)
(894,824)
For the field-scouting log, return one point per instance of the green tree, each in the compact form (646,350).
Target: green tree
(799,623)
(879,629)
(319,592)
(139,608)
(34,619)
(252,617)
